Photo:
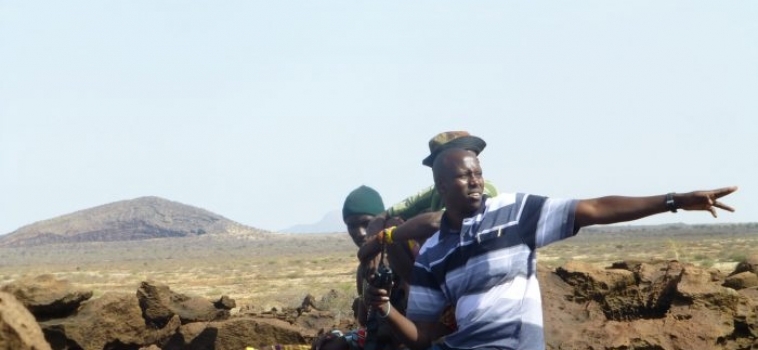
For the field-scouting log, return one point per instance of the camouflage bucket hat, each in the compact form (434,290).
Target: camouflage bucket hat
(452,139)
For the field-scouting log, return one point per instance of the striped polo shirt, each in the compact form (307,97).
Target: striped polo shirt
(488,271)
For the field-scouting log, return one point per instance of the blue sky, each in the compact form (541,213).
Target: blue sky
(269,113)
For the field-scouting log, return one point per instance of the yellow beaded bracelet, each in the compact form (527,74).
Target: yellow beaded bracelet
(388,234)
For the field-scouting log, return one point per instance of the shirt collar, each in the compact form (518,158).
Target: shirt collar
(445,225)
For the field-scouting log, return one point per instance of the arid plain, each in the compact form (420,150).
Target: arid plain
(280,270)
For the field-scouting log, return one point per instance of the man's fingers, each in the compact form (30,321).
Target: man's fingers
(713,212)
(721,192)
(723,206)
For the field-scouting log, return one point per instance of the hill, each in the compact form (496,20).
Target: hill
(330,223)
(128,220)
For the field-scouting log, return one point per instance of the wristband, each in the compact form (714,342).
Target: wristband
(670,204)
(389,308)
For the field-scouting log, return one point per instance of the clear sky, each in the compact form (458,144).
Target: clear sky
(270,112)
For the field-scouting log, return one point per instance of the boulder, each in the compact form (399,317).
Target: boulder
(748,265)
(697,289)
(112,321)
(741,280)
(46,296)
(160,304)
(18,328)
(225,303)
(236,333)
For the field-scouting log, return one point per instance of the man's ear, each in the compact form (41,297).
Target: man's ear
(440,187)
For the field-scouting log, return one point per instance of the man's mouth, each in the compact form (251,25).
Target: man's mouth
(475,195)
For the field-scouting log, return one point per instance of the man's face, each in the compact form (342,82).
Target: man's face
(461,184)
(356,227)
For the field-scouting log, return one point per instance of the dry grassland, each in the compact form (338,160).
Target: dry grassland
(281,271)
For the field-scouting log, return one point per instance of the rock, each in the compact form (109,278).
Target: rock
(656,286)
(159,304)
(696,288)
(235,334)
(668,306)
(741,280)
(608,287)
(113,321)
(47,297)
(225,303)
(18,328)
(318,320)
(328,300)
(748,265)
(308,304)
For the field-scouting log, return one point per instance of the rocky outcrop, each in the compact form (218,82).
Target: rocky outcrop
(651,305)
(153,317)
(112,321)
(160,304)
(741,280)
(662,305)
(18,328)
(47,297)
(748,265)
(236,333)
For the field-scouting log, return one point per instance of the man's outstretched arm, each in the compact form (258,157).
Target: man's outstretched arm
(612,209)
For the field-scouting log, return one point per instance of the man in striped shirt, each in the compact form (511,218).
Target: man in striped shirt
(483,258)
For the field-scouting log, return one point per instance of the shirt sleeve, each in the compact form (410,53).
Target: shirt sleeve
(556,221)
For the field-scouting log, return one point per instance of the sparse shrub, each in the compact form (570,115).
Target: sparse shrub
(700,257)
(706,263)
(673,252)
(295,274)
(738,257)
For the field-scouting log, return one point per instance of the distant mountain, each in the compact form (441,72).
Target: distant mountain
(136,219)
(330,223)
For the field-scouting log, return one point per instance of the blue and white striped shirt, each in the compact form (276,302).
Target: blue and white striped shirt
(488,271)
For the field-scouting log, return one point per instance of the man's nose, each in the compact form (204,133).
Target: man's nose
(475,181)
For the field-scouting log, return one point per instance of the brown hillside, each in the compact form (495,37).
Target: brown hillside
(128,220)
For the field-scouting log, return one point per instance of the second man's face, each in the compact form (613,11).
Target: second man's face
(356,227)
